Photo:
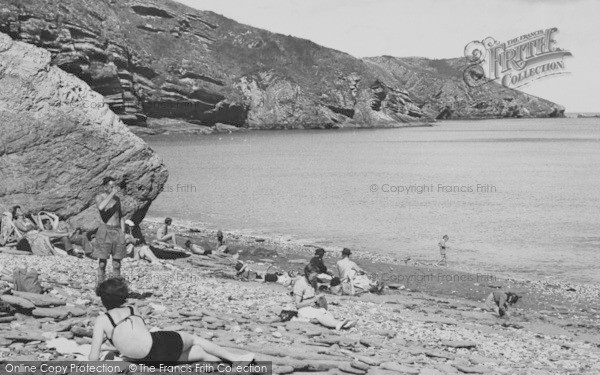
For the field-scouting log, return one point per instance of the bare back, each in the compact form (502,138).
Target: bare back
(131,337)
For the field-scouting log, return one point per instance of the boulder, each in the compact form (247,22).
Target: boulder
(58,141)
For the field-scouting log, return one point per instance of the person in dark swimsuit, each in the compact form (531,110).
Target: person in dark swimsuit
(110,237)
(128,333)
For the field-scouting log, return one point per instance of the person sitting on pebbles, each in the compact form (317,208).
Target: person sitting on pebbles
(313,306)
(136,248)
(352,277)
(126,330)
(318,270)
(498,302)
(163,235)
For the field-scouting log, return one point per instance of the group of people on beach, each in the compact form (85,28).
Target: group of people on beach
(118,238)
(122,325)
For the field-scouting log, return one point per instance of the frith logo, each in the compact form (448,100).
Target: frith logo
(517,62)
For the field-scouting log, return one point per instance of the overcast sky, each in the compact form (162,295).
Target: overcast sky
(438,29)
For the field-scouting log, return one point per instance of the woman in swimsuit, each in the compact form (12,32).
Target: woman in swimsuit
(126,330)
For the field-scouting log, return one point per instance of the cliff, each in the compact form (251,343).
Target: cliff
(57,144)
(437,86)
(161,59)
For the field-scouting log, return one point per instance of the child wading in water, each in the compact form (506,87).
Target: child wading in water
(443,248)
(499,302)
(127,332)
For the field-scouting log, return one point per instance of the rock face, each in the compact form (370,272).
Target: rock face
(58,140)
(437,86)
(161,59)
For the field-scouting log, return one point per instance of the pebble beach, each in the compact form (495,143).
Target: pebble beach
(419,325)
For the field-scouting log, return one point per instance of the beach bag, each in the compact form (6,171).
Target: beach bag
(27,281)
(287,315)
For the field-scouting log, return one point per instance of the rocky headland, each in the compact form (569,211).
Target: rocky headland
(160,59)
(55,150)
(411,329)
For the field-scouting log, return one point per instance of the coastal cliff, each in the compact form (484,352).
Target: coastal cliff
(55,150)
(163,60)
(438,87)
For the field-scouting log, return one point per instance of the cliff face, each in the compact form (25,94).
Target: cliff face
(159,58)
(163,59)
(58,142)
(438,87)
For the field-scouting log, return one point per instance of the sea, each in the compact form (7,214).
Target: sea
(517,197)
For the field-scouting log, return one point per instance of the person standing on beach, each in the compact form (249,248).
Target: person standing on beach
(110,237)
(443,248)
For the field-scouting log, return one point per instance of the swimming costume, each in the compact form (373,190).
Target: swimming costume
(121,321)
(167,347)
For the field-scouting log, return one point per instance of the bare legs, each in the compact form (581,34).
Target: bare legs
(146,253)
(116,266)
(196,349)
(170,236)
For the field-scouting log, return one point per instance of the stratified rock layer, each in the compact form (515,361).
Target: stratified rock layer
(58,140)
(439,88)
(162,59)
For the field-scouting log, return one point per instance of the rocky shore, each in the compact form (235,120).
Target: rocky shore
(425,326)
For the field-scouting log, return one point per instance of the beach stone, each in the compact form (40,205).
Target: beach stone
(277,369)
(347,368)
(472,369)
(439,354)
(82,332)
(19,336)
(83,143)
(459,344)
(17,301)
(61,312)
(40,300)
(371,361)
(360,365)
(430,371)
(394,366)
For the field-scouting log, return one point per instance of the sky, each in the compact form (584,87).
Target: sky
(438,29)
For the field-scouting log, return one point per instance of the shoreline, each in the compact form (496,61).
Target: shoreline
(424,328)
(287,240)
(442,281)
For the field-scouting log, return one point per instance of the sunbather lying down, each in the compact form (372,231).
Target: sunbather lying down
(126,330)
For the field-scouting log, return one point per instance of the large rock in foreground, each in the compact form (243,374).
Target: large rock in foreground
(58,140)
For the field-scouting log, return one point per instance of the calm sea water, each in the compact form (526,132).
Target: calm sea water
(518,197)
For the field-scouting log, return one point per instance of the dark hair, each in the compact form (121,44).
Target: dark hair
(219,234)
(113,292)
(14,211)
(168,221)
(446,236)
(512,298)
(335,281)
(46,221)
